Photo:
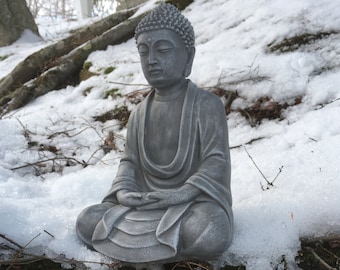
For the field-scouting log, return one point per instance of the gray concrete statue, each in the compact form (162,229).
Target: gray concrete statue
(171,199)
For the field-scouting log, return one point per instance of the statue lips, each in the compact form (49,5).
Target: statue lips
(155,72)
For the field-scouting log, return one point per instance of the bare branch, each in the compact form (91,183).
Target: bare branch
(251,158)
(83,163)
(316,256)
(10,241)
(269,183)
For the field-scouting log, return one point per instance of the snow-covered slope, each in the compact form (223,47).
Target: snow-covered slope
(238,50)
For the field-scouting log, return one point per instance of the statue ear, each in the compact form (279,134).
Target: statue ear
(191,55)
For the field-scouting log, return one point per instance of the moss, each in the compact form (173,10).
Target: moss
(85,73)
(87,65)
(109,70)
(87,47)
(295,42)
(113,93)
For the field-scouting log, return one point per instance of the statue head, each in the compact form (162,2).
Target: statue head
(167,16)
(166,45)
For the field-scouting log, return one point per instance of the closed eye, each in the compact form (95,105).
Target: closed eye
(143,50)
(164,49)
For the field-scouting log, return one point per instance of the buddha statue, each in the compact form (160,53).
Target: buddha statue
(170,200)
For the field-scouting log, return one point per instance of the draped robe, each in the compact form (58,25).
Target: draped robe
(202,160)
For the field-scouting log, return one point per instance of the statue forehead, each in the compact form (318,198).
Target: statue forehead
(153,36)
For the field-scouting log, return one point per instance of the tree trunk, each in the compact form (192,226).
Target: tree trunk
(68,65)
(126,4)
(46,58)
(15,17)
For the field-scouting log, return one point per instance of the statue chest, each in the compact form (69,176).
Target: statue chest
(162,130)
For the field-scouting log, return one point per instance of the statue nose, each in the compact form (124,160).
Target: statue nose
(152,59)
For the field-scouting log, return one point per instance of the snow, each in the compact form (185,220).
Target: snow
(42,203)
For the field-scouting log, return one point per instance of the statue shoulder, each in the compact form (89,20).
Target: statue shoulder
(208,99)
(140,107)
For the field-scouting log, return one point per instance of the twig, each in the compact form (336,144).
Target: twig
(329,252)
(20,252)
(243,75)
(131,84)
(29,242)
(57,133)
(22,257)
(49,234)
(27,132)
(250,142)
(34,258)
(327,238)
(190,265)
(10,241)
(316,256)
(324,105)
(280,171)
(89,125)
(269,183)
(83,163)
(92,156)
(312,139)
(251,158)
(199,265)
(19,261)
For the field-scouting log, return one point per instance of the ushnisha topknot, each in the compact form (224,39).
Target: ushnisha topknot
(167,16)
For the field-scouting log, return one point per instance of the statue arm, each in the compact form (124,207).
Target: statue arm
(128,173)
(126,188)
(213,175)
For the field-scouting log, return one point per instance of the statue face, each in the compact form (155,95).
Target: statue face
(165,59)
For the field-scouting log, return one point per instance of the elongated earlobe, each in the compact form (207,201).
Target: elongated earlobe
(191,55)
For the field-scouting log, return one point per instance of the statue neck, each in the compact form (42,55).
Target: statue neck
(171,93)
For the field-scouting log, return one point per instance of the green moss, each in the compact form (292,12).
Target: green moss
(109,70)
(87,65)
(85,72)
(113,93)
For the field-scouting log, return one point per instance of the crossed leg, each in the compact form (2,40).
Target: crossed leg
(206,231)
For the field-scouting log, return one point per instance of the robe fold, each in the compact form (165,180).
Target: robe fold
(202,160)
